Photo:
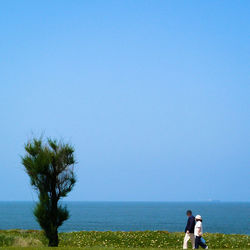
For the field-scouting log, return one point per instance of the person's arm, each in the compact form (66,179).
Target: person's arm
(192,224)
(188,227)
(199,231)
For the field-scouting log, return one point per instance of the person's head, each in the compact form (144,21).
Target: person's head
(189,213)
(198,218)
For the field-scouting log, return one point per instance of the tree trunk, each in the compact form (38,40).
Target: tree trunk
(53,240)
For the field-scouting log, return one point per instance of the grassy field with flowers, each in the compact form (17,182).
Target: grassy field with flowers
(137,240)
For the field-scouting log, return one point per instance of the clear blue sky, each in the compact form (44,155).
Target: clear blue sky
(154,95)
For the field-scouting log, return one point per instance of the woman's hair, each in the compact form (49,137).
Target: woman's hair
(198,220)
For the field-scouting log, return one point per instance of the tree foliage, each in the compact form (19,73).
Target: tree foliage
(50,166)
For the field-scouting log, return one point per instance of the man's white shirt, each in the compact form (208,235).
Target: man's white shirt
(197,226)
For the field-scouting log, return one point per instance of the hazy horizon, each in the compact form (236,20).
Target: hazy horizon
(173,201)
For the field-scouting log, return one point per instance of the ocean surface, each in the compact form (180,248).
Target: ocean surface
(222,217)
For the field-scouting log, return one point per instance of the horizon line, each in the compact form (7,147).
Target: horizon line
(177,201)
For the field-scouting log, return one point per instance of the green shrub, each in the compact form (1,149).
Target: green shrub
(6,240)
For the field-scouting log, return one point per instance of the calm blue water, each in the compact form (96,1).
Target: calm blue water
(132,216)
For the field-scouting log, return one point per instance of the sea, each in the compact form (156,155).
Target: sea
(218,217)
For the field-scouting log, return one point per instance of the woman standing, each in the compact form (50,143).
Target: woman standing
(198,232)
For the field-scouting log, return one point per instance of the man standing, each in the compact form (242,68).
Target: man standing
(189,230)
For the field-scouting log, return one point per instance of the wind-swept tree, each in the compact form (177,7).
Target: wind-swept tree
(50,166)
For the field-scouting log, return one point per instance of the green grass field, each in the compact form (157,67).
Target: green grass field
(94,248)
(14,239)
